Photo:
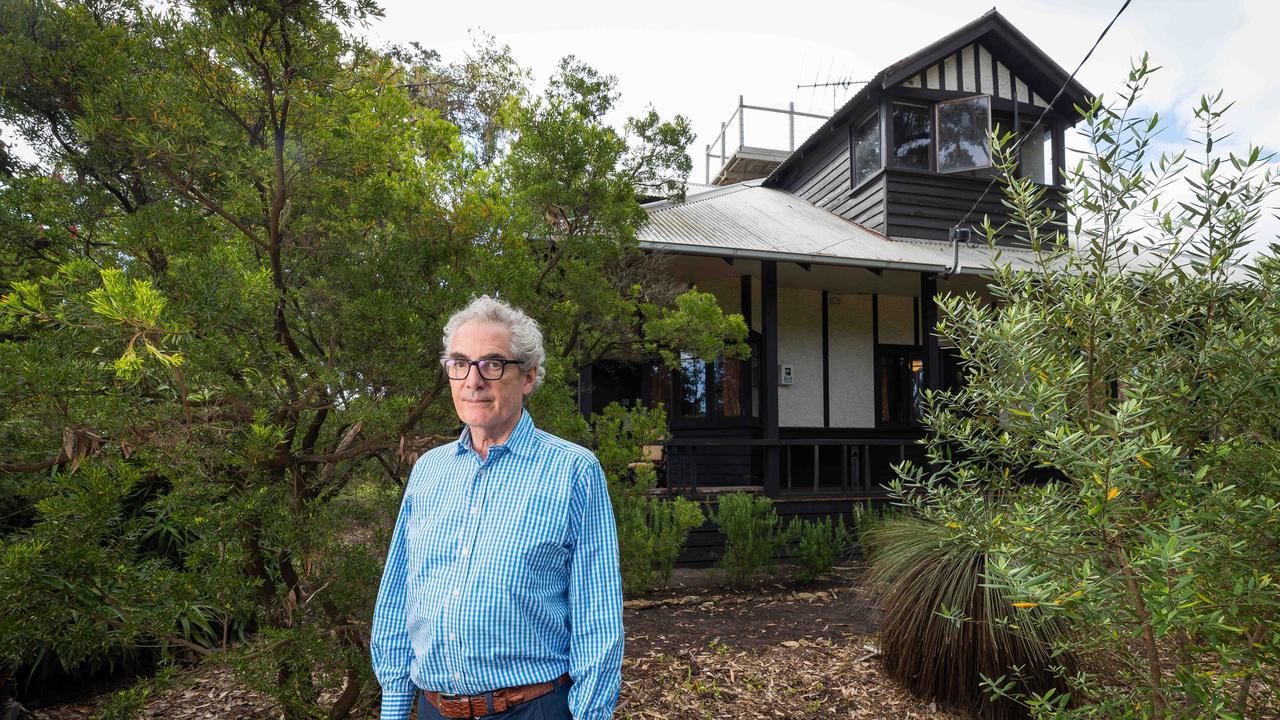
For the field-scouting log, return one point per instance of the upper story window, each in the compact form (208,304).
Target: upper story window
(963,126)
(1036,153)
(912,136)
(866,149)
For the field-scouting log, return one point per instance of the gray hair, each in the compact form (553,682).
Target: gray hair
(526,337)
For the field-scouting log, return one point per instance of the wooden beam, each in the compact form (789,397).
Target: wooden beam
(826,362)
(769,374)
(929,321)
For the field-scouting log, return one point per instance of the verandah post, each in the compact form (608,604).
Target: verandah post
(769,373)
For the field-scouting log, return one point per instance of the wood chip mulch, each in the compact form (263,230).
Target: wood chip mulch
(696,651)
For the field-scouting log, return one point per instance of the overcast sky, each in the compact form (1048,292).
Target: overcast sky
(695,58)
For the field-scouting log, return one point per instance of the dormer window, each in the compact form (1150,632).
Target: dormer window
(963,127)
(912,136)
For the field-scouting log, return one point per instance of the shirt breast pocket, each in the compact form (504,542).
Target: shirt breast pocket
(533,549)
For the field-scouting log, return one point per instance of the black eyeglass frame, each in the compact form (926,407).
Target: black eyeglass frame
(446,362)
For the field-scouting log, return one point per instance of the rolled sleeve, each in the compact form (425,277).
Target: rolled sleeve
(595,600)
(389,644)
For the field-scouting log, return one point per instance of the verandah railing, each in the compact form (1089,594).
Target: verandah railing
(862,466)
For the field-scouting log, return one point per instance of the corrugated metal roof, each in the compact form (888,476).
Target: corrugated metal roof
(753,222)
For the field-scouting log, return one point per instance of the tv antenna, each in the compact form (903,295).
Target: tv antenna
(844,83)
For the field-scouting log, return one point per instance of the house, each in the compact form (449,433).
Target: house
(834,252)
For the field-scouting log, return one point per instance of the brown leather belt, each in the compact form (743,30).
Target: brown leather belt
(474,706)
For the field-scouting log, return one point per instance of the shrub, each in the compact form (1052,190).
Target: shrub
(651,533)
(1115,453)
(752,535)
(651,530)
(945,629)
(671,521)
(819,545)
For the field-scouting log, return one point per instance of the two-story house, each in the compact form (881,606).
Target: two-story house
(834,252)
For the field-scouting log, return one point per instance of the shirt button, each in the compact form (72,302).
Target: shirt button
(452,636)
(475,511)
(464,552)
(455,592)
(457,676)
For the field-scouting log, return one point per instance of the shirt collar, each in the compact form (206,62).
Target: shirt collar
(520,442)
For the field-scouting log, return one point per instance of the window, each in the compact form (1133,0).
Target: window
(1036,151)
(912,136)
(699,390)
(901,386)
(692,400)
(866,149)
(963,126)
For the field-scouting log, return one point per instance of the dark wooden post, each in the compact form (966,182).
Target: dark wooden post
(928,321)
(769,372)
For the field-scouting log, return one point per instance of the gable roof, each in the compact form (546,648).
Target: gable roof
(753,222)
(996,32)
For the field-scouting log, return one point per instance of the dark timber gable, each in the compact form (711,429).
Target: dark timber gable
(988,57)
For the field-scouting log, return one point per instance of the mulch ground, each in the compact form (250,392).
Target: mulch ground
(696,650)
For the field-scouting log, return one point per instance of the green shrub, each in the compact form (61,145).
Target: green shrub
(651,530)
(819,545)
(1115,449)
(945,628)
(671,521)
(752,535)
(651,533)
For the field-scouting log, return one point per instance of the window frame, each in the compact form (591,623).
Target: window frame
(854,128)
(937,135)
(884,352)
(714,393)
(927,106)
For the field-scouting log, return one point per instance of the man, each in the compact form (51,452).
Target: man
(501,594)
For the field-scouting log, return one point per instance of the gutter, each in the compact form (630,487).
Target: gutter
(741,254)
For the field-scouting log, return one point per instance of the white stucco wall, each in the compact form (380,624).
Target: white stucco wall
(851,361)
(800,346)
(897,320)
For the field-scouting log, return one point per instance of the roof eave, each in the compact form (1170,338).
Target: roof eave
(805,258)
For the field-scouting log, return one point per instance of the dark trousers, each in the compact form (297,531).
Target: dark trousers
(552,706)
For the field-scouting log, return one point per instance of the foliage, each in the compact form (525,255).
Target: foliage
(944,628)
(753,534)
(1116,451)
(651,534)
(651,530)
(223,286)
(819,545)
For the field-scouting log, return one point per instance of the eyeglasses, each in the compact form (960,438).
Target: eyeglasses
(489,368)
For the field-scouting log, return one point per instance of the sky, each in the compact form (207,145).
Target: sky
(696,58)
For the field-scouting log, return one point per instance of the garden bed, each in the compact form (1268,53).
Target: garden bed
(695,650)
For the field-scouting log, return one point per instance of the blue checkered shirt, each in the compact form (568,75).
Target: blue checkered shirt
(502,572)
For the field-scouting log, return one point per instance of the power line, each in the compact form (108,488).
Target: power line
(1044,112)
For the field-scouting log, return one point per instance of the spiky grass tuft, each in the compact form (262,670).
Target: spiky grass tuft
(944,629)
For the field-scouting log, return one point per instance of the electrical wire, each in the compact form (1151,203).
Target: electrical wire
(1046,110)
